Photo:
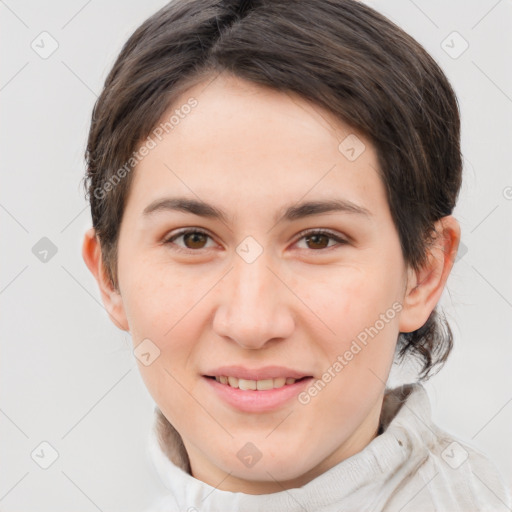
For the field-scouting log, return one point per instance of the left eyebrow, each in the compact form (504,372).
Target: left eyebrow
(310,208)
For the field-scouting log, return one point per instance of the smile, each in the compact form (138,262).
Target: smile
(256,396)
(255,385)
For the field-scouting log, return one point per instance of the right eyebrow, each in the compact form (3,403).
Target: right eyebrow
(185,205)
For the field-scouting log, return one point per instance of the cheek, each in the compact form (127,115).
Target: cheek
(348,299)
(166,307)
(163,310)
(156,297)
(359,305)
(362,309)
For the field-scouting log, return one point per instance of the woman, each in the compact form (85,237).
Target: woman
(271,188)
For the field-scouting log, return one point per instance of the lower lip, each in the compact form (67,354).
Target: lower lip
(258,401)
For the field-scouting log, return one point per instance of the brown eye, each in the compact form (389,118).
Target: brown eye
(195,240)
(318,241)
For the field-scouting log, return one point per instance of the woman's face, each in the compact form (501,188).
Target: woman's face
(250,295)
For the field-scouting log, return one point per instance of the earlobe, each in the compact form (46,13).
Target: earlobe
(112,300)
(425,286)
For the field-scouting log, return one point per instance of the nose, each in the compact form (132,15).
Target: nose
(255,306)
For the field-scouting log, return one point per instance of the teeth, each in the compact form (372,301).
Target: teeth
(280,382)
(246,384)
(260,385)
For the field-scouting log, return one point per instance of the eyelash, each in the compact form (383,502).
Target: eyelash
(302,234)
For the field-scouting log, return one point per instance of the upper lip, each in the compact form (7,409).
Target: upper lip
(266,372)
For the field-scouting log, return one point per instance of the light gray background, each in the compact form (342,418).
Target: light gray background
(68,376)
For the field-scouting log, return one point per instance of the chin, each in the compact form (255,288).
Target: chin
(268,463)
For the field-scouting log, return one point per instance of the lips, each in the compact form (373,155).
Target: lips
(254,395)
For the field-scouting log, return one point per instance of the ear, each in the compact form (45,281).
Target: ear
(424,287)
(91,253)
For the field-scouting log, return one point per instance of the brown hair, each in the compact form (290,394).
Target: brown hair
(340,54)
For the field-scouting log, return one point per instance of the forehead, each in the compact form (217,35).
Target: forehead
(242,143)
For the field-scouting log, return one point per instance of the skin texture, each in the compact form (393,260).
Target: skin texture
(252,151)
